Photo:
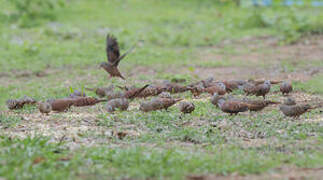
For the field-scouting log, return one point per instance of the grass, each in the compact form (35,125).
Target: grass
(175,39)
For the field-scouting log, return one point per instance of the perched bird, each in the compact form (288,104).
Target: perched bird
(102,91)
(258,90)
(61,105)
(295,110)
(232,106)
(289,101)
(119,103)
(286,87)
(77,94)
(258,105)
(86,101)
(215,99)
(186,107)
(113,55)
(19,103)
(219,88)
(158,104)
(151,91)
(14,104)
(133,93)
(233,84)
(44,107)
(175,88)
(197,89)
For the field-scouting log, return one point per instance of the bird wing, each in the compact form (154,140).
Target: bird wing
(116,63)
(112,49)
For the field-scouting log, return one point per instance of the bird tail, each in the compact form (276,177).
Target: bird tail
(138,92)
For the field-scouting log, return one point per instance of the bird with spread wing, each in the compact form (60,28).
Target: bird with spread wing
(113,55)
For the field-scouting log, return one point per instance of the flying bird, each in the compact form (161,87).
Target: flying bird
(113,55)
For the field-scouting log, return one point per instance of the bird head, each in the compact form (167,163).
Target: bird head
(221,101)
(267,82)
(222,85)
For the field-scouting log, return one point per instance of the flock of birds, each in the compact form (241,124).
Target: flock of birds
(219,91)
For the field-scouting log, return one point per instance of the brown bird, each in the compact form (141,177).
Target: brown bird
(158,104)
(258,105)
(151,91)
(113,55)
(295,110)
(86,101)
(186,107)
(44,107)
(290,101)
(133,93)
(233,84)
(119,103)
(61,105)
(77,94)
(215,99)
(175,88)
(286,87)
(102,91)
(232,106)
(258,90)
(219,89)
(19,103)
(197,89)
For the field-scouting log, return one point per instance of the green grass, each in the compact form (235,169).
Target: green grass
(312,86)
(175,39)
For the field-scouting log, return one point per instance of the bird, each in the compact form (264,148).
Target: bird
(215,99)
(134,92)
(151,91)
(219,88)
(61,105)
(19,103)
(158,104)
(258,105)
(86,101)
(186,107)
(233,84)
(14,104)
(286,87)
(232,106)
(257,90)
(175,88)
(295,110)
(196,89)
(289,101)
(44,107)
(119,103)
(113,56)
